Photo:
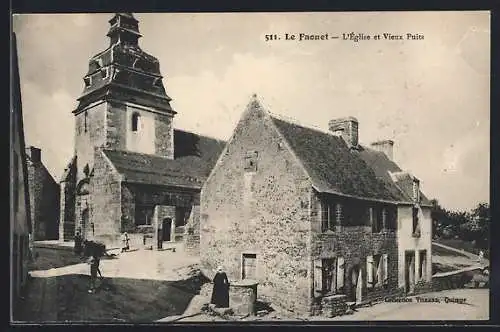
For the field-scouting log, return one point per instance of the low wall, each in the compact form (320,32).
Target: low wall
(454,279)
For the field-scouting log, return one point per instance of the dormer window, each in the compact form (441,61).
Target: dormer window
(416,190)
(135,121)
(416,223)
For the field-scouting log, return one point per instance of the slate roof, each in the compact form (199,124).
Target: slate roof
(335,168)
(382,166)
(194,158)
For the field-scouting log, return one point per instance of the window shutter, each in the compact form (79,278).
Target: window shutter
(380,270)
(423,262)
(318,275)
(386,269)
(369,271)
(340,273)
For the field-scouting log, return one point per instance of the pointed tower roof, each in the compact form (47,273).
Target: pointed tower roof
(124,72)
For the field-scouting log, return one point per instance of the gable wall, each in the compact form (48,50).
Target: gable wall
(270,220)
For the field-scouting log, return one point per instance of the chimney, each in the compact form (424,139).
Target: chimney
(385,146)
(347,128)
(35,154)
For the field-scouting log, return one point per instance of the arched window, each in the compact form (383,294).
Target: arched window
(135,121)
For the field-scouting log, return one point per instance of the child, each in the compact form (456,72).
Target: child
(125,242)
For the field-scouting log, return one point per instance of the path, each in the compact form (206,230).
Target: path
(140,264)
(476,307)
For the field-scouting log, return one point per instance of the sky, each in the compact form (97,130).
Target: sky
(431,96)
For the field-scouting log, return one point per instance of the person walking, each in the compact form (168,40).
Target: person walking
(94,267)
(220,293)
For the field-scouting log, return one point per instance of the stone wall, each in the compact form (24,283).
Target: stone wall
(44,201)
(192,234)
(266,213)
(164,143)
(67,203)
(354,244)
(115,126)
(106,201)
(89,133)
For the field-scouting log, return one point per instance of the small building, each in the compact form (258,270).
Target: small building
(132,171)
(317,219)
(44,197)
(20,219)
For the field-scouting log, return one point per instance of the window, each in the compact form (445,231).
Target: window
(143,214)
(135,122)
(181,216)
(331,214)
(416,191)
(88,81)
(104,72)
(422,269)
(376,271)
(85,116)
(416,224)
(15,182)
(329,275)
(377,218)
(251,161)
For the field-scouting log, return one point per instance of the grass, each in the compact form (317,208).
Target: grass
(115,300)
(49,258)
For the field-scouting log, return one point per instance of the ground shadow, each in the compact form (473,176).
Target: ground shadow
(261,305)
(49,258)
(115,299)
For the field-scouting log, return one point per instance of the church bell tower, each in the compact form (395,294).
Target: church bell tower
(124,105)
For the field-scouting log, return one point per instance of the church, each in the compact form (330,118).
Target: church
(132,171)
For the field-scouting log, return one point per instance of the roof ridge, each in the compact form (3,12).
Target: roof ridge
(136,153)
(201,135)
(297,122)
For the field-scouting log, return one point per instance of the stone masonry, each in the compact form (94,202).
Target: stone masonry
(44,197)
(273,222)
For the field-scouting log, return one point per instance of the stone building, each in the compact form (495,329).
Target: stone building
(44,197)
(317,219)
(132,171)
(20,219)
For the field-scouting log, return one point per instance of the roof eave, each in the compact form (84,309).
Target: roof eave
(335,192)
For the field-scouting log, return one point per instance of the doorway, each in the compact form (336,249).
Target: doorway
(85,223)
(409,272)
(249,266)
(167,229)
(356,284)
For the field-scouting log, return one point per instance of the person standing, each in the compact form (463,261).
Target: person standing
(78,243)
(125,242)
(220,293)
